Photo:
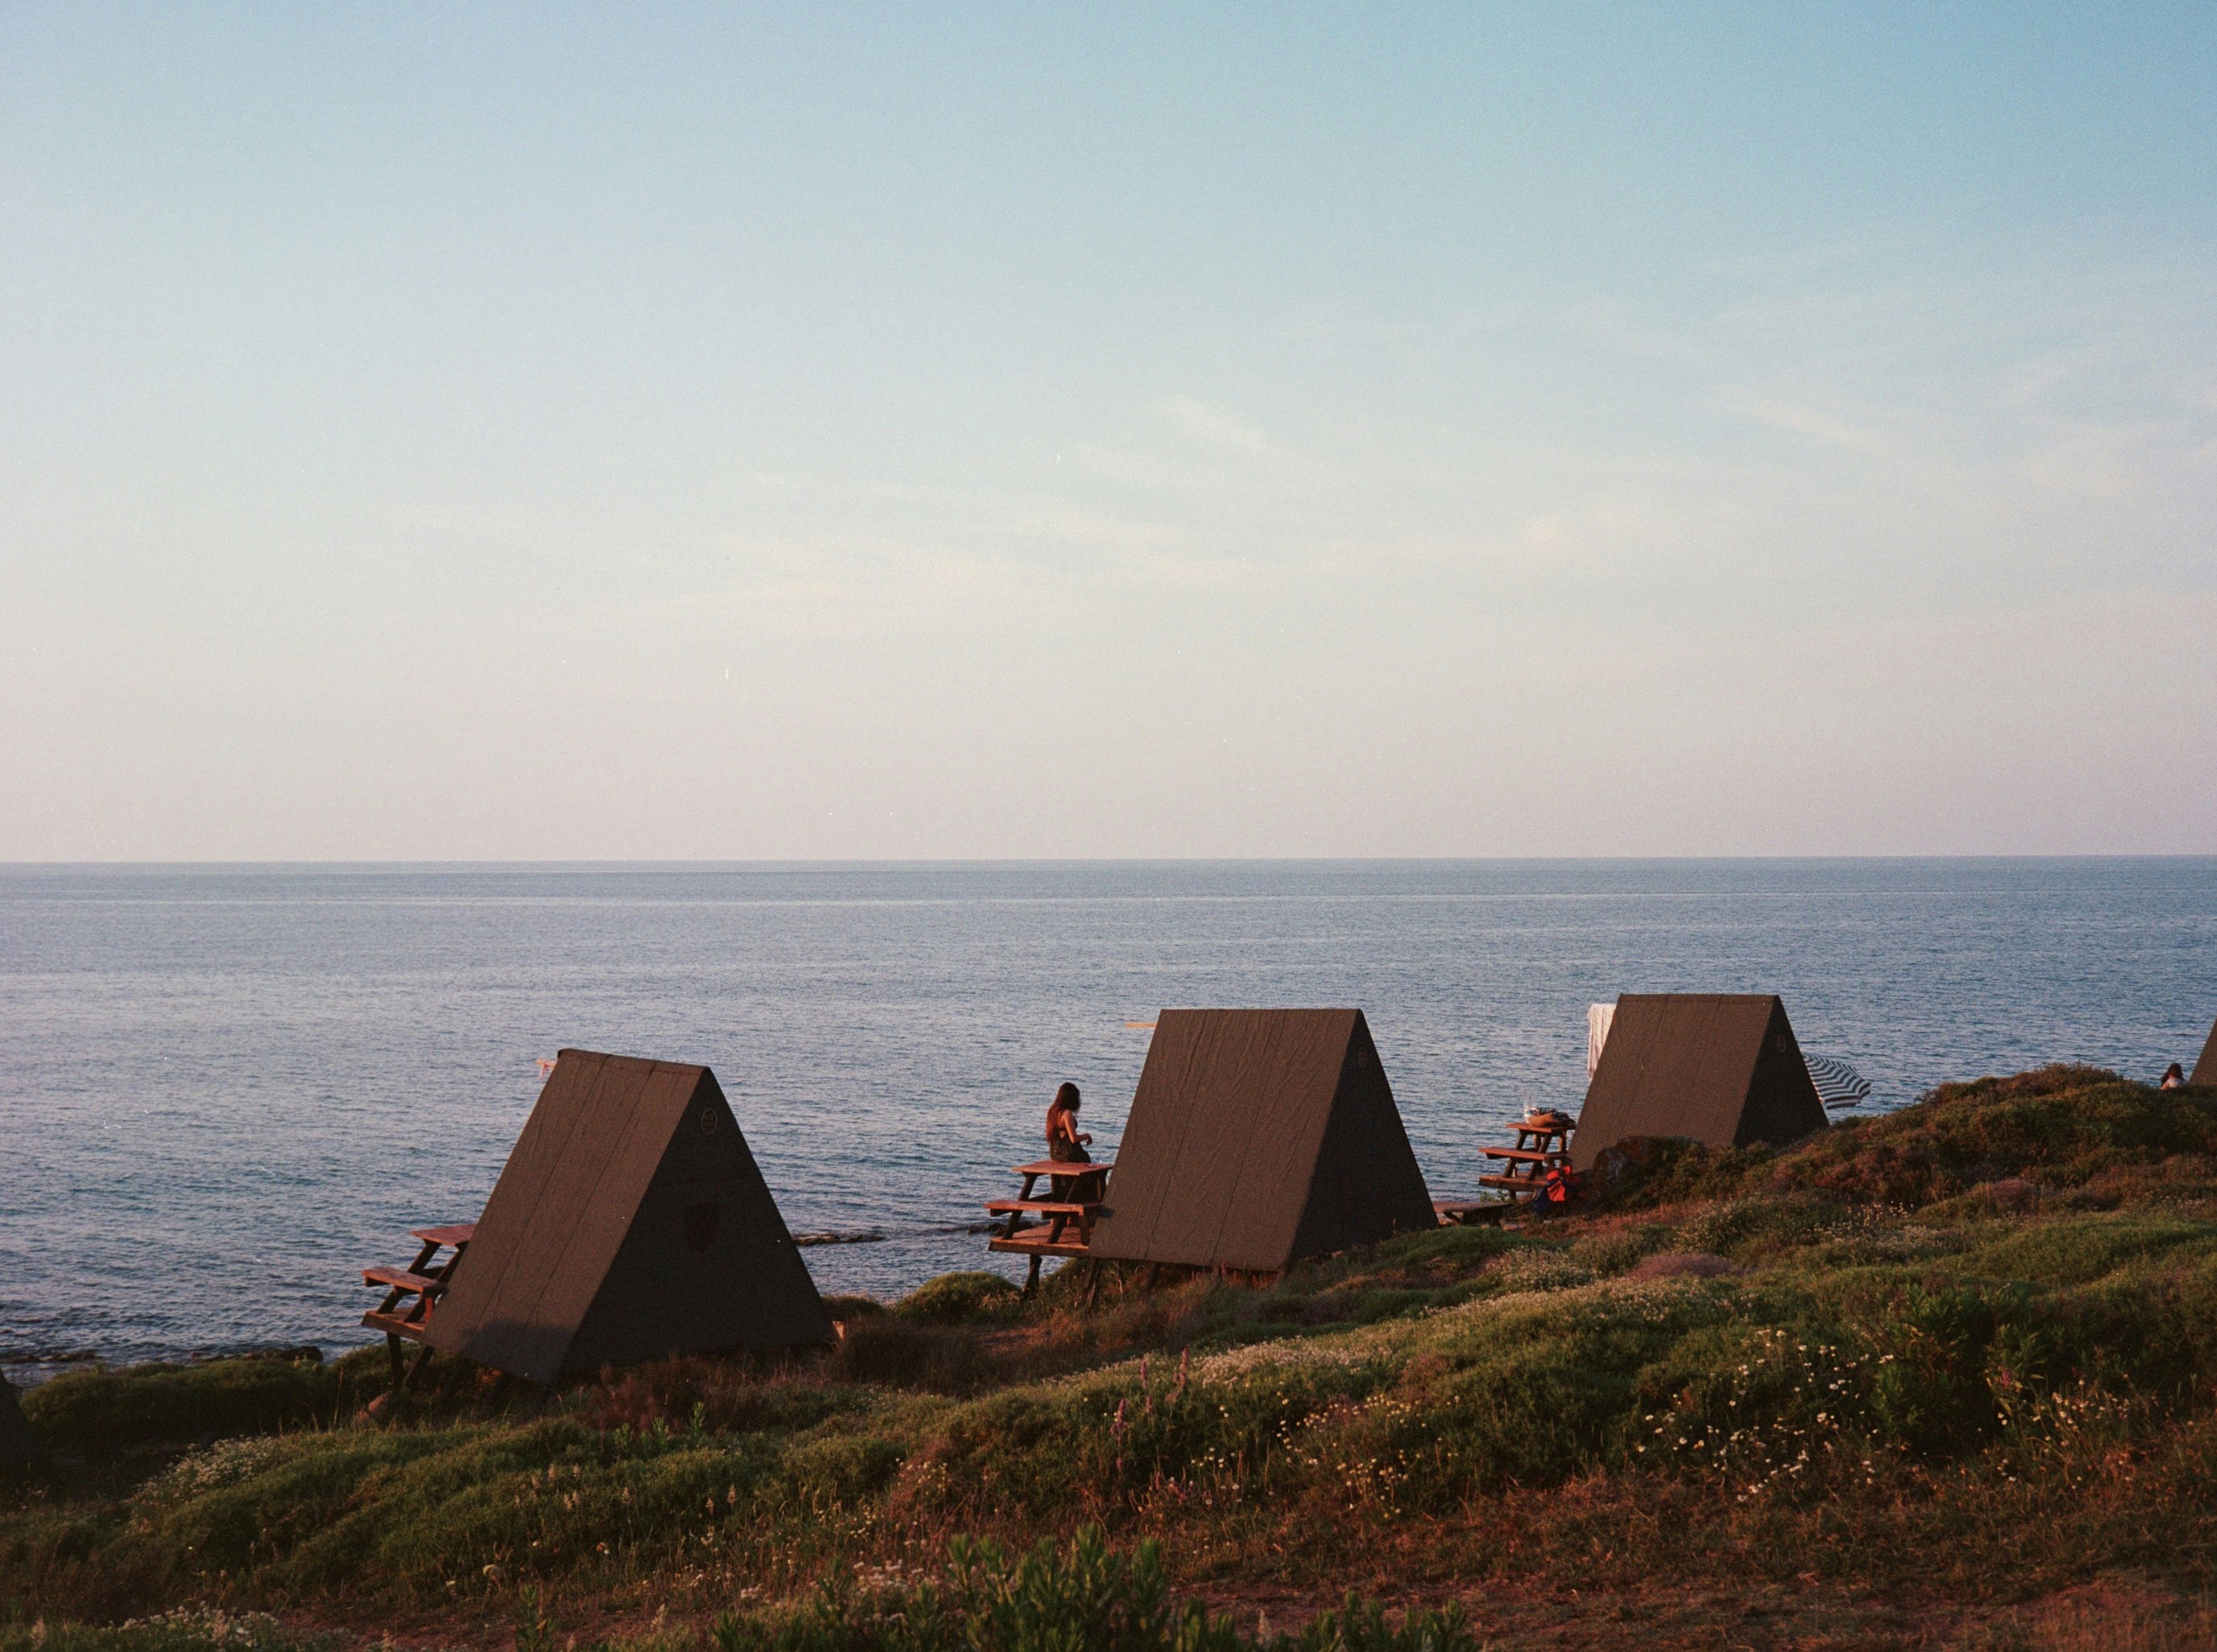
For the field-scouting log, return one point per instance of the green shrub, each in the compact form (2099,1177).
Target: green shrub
(182,1630)
(740,1394)
(1081,1598)
(1672,1170)
(103,1414)
(960,1299)
(841,1471)
(1450,1250)
(895,1352)
(2057,1128)
(1929,1388)
(1785,1335)
(1750,1229)
(1613,1251)
(2095,1244)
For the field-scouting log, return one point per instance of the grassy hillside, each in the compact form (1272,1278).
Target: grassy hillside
(1950,1371)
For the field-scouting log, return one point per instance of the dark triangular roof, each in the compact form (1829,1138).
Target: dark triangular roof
(1722,1068)
(2205,1071)
(630,1223)
(19,1446)
(1258,1136)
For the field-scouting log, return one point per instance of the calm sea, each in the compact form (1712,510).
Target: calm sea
(222,1089)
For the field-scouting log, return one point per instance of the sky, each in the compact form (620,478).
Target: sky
(481,433)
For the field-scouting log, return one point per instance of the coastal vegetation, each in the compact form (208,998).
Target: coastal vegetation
(1944,1376)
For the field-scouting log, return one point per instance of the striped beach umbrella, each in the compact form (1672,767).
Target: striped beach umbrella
(1838,1085)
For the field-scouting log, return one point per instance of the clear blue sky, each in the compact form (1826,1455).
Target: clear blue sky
(442,432)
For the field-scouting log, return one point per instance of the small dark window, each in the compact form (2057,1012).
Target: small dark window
(707,1121)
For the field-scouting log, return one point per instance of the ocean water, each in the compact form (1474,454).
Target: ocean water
(223,1089)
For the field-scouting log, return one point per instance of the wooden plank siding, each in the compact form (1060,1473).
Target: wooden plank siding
(585,1254)
(1723,1069)
(1258,1137)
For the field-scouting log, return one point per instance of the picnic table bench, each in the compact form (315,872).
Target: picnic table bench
(1471,1212)
(1542,1144)
(410,1292)
(1081,1188)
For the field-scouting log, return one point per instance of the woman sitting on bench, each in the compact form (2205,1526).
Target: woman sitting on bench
(1067,1144)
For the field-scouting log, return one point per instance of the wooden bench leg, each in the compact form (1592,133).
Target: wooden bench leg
(1031,1277)
(1092,1281)
(393,1352)
(423,1354)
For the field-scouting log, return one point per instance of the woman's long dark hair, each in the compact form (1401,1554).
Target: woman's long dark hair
(1066,1098)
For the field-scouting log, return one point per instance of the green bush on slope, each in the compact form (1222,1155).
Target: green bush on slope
(2058,1129)
(104,1413)
(1079,1597)
(960,1299)
(1724,1379)
(1821,1345)
(1083,1597)
(184,1630)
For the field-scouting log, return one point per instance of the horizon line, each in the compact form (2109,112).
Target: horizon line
(831,862)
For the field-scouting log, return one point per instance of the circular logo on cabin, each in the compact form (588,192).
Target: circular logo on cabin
(707,1121)
(702,1222)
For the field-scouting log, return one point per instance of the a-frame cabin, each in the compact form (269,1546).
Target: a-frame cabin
(1724,1069)
(1256,1138)
(629,1223)
(2205,1071)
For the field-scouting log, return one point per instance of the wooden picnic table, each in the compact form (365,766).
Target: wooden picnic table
(1542,1146)
(1077,1193)
(410,1292)
(1057,1168)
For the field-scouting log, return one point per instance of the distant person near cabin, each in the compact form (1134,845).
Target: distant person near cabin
(2173,1076)
(1067,1144)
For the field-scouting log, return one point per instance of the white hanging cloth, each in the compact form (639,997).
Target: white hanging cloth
(1598,1016)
